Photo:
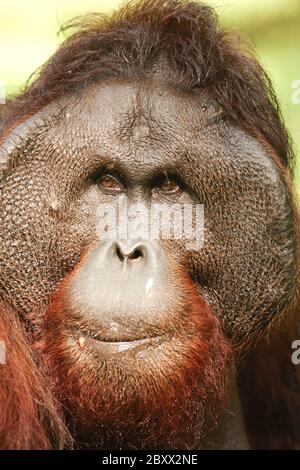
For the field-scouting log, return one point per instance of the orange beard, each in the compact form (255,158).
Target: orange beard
(166,397)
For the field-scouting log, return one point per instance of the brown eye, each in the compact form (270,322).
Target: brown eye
(110,184)
(169,186)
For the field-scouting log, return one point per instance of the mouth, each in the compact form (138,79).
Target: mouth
(105,345)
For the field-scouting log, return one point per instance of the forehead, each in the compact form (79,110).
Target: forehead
(135,109)
(147,122)
(140,122)
(147,126)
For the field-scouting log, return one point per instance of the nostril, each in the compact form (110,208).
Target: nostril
(119,254)
(136,254)
(130,255)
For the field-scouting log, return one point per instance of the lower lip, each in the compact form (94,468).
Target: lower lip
(118,346)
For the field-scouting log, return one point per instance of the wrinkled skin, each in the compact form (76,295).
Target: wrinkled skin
(138,132)
(143,130)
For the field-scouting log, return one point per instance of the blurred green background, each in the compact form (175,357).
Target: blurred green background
(28,36)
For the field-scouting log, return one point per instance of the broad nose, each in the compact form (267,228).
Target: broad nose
(130,253)
(137,255)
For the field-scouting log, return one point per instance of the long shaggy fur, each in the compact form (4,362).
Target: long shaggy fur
(181,43)
(30,417)
(133,401)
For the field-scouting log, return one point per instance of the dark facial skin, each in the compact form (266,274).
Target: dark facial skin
(140,132)
(134,329)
